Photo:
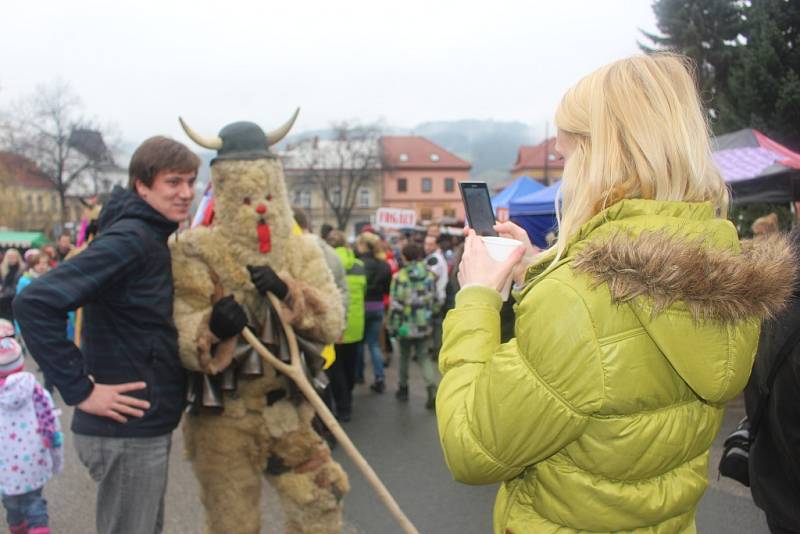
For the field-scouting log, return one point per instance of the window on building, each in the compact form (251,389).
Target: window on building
(302,198)
(363,197)
(449,185)
(449,212)
(336,195)
(426,214)
(427,185)
(305,199)
(39,203)
(402,185)
(53,202)
(30,203)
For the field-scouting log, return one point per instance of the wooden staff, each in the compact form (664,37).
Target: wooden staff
(296,373)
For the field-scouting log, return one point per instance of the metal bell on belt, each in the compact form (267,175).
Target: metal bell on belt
(194,393)
(269,334)
(251,365)
(212,393)
(229,379)
(283,353)
(191,388)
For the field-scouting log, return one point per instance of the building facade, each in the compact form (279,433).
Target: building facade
(418,174)
(29,199)
(334,182)
(540,162)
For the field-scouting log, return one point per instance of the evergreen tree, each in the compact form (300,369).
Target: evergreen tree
(764,82)
(704,30)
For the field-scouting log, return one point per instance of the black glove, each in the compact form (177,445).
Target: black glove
(266,281)
(227,318)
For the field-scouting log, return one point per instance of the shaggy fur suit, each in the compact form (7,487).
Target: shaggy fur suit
(230,451)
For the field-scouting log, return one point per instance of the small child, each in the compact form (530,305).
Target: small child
(30,440)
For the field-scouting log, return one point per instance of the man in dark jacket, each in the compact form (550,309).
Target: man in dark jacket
(126,379)
(774,456)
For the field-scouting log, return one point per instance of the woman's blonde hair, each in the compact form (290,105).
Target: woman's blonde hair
(639,131)
(367,242)
(4,265)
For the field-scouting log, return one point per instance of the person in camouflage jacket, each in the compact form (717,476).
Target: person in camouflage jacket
(413,303)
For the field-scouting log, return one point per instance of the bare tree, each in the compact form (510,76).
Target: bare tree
(341,166)
(49,127)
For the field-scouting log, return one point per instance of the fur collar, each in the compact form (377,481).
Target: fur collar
(713,284)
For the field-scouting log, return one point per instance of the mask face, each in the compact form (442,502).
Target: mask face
(252,206)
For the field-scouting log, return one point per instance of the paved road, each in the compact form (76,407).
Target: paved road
(400,440)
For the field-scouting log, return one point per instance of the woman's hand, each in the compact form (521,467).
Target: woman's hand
(477,267)
(511,230)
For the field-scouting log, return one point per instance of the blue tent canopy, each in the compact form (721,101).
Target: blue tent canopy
(522,186)
(536,213)
(541,202)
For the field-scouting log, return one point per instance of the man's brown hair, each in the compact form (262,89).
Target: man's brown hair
(413,252)
(159,154)
(336,239)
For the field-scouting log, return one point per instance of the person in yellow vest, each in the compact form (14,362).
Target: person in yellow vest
(632,331)
(349,348)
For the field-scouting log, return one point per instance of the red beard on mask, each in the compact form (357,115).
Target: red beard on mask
(264,239)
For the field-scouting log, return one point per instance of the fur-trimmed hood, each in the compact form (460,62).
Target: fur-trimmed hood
(698,292)
(711,284)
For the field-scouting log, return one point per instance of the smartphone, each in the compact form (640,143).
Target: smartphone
(478,205)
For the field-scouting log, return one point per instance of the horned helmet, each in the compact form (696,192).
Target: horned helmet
(252,205)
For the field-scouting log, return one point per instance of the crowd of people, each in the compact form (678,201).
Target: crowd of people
(17,269)
(593,401)
(395,296)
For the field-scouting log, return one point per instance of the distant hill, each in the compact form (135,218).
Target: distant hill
(491,146)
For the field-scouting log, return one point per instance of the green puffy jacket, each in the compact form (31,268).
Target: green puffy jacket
(600,414)
(357,288)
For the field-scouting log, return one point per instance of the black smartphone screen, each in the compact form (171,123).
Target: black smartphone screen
(478,205)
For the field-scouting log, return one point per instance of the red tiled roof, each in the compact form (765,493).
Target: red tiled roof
(533,157)
(24,171)
(414,151)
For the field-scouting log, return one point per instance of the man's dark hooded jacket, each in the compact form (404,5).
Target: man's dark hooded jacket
(123,280)
(775,454)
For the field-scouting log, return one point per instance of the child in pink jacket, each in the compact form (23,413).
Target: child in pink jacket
(30,441)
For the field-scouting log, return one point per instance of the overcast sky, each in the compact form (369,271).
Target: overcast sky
(138,65)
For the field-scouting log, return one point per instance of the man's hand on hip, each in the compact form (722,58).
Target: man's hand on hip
(109,401)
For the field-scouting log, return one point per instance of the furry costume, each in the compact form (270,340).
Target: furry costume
(254,436)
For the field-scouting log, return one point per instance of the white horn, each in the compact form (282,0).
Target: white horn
(214,143)
(276,135)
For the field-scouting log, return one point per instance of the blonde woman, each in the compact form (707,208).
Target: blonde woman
(632,331)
